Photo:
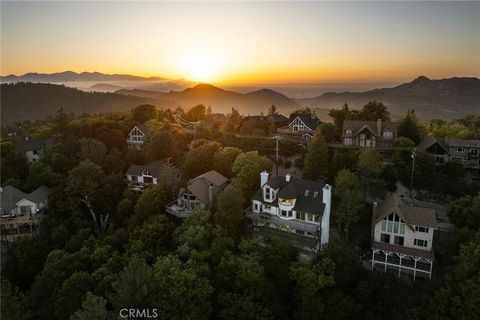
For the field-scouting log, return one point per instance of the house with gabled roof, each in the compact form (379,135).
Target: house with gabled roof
(20,211)
(200,192)
(136,136)
(141,176)
(360,134)
(402,237)
(465,152)
(301,126)
(32,148)
(294,209)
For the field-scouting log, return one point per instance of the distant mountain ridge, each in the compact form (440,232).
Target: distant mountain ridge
(70,76)
(444,98)
(221,100)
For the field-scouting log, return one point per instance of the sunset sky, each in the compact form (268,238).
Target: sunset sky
(248,42)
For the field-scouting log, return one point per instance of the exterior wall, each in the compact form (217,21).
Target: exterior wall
(25,203)
(409,237)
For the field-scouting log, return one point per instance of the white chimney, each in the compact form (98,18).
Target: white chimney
(379,126)
(312,114)
(287,177)
(263,178)
(325,226)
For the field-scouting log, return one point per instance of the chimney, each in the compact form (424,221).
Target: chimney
(379,126)
(287,177)
(28,138)
(312,115)
(263,178)
(210,195)
(374,215)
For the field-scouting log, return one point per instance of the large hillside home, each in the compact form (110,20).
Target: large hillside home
(141,176)
(301,127)
(360,134)
(200,192)
(295,209)
(21,212)
(136,136)
(403,237)
(32,148)
(465,152)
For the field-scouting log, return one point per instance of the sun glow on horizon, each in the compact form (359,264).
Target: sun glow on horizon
(201,66)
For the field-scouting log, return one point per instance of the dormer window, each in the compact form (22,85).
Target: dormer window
(146,173)
(348,131)
(315,194)
(307,192)
(388,135)
(268,194)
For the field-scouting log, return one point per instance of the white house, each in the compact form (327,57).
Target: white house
(136,136)
(298,209)
(32,148)
(403,237)
(141,176)
(21,212)
(200,192)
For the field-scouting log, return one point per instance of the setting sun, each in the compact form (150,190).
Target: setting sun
(200,66)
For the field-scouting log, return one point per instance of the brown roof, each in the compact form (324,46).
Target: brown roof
(404,250)
(358,125)
(463,143)
(430,141)
(154,168)
(213,177)
(412,215)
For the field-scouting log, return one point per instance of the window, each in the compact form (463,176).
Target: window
(393,224)
(300,215)
(362,140)
(388,135)
(307,192)
(256,206)
(315,194)
(385,238)
(287,214)
(421,229)
(134,178)
(268,193)
(398,241)
(420,243)
(287,202)
(298,125)
(25,209)
(316,218)
(347,141)
(459,149)
(348,131)
(474,152)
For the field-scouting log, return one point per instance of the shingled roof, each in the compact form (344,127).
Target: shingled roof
(153,168)
(32,144)
(308,193)
(10,196)
(200,186)
(411,214)
(357,125)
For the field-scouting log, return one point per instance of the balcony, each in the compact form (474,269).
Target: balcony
(174,209)
(292,224)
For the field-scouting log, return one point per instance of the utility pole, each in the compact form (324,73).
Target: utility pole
(414,154)
(276,153)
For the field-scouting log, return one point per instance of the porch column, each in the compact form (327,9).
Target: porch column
(431,265)
(415,267)
(386,253)
(373,257)
(401,256)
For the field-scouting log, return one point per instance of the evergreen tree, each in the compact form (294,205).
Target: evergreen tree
(316,159)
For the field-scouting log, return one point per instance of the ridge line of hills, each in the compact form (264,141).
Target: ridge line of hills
(444,99)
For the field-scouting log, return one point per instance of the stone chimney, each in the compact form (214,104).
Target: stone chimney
(263,178)
(287,177)
(379,126)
